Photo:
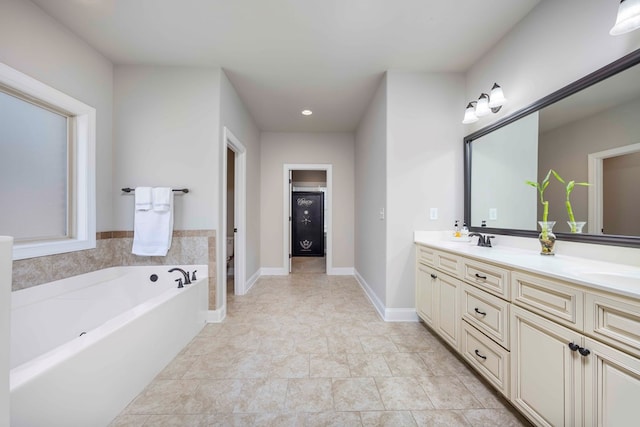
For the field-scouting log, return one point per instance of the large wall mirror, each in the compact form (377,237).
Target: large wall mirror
(589,131)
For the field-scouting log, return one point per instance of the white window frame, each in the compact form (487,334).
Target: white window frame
(82,234)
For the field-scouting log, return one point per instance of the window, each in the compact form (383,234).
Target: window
(47,168)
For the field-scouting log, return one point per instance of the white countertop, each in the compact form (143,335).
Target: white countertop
(618,278)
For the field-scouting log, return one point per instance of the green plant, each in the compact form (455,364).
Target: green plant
(569,186)
(541,186)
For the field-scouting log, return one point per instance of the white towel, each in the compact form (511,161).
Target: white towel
(143,198)
(162,199)
(153,229)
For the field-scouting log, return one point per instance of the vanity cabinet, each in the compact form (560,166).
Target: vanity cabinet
(437,302)
(563,353)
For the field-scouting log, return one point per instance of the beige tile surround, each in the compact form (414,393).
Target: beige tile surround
(113,248)
(310,350)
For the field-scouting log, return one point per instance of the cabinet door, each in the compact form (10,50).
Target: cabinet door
(448,309)
(612,385)
(426,281)
(546,373)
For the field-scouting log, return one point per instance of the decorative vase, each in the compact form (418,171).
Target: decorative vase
(547,238)
(576,227)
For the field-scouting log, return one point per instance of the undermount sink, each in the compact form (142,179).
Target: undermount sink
(626,278)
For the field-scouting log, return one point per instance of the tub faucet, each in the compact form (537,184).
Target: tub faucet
(187,280)
(484,241)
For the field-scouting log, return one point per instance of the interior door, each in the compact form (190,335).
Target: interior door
(307,223)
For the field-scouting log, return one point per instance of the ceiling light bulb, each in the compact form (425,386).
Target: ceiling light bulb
(470,114)
(307,112)
(482,108)
(628,17)
(496,98)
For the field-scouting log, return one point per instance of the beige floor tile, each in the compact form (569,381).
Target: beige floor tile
(440,418)
(333,419)
(402,394)
(387,419)
(448,392)
(309,395)
(329,366)
(356,394)
(368,365)
(311,350)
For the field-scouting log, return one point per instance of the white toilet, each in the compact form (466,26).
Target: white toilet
(230,256)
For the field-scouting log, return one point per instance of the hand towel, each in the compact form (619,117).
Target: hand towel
(153,230)
(143,198)
(161,197)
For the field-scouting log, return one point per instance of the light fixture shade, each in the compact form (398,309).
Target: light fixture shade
(470,114)
(496,98)
(482,108)
(628,17)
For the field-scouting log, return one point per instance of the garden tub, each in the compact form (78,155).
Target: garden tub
(82,348)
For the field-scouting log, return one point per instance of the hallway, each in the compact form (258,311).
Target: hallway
(310,350)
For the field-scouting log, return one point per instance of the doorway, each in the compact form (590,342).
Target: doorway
(231,224)
(308,225)
(315,180)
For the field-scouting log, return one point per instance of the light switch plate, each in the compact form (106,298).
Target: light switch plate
(493,214)
(433,213)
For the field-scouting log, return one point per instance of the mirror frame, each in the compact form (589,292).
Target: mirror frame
(597,76)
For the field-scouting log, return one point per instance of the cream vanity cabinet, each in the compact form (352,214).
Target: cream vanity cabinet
(564,354)
(563,375)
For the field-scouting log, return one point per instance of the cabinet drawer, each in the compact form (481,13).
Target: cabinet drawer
(549,298)
(489,277)
(426,255)
(488,358)
(448,263)
(614,321)
(487,313)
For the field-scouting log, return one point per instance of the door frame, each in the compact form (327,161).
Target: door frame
(596,189)
(286,209)
(240,218)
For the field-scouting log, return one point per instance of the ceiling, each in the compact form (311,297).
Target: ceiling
(283,56)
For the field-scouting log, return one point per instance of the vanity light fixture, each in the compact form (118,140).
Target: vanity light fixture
(485,104)
(628,17)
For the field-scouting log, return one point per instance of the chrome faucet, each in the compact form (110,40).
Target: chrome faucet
(187,280)
(484,241)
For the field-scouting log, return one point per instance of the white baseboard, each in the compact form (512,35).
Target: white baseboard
(387,314)
(379,306)
(216,316)
(252,281)
(341,271)
(270,271)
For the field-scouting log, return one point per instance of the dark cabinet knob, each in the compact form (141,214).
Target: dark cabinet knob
(573,347)
(583,351)
(433,276)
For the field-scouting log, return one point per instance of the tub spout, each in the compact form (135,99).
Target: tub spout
(187,280)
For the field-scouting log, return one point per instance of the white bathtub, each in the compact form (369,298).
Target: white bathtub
(82,348)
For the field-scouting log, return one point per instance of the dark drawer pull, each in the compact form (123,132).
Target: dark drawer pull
(433,276)
(479,312)
(481,277)
(574,347)
(583,351)
(480,356)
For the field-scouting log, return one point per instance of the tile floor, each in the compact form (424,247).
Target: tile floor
(310,350)
(308,264)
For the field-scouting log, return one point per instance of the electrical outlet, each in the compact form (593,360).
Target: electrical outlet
(382,213)
(493,214)
(433,213)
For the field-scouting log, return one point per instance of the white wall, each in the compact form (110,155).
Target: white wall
(371,195)
(166,134)
(37,45)
(277,149)
(6,258)
(235,116)
(557,43)
(424,168)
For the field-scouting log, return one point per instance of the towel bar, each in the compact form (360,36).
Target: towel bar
(182,190)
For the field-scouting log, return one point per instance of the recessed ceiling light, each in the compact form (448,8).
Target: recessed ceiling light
(307,112)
